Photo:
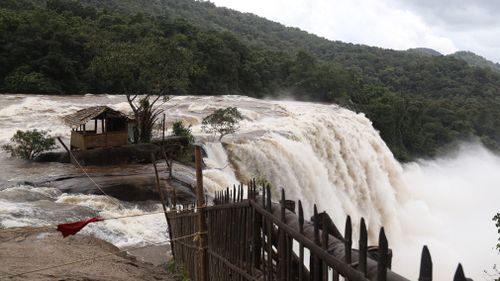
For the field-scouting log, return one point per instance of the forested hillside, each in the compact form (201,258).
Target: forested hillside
(475,60)
(420,103)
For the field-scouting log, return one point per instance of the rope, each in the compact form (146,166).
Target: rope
(220,169)
(92,180)
(49,226)
(195,235)
(101,256)
(190,209)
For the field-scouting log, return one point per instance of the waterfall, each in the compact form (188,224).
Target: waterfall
(218,172)
(333,157)
(320,154)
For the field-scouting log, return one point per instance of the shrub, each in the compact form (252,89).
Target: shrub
(182,131)
(29,144)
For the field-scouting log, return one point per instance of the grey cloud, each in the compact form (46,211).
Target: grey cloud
(444,25)
(455,14)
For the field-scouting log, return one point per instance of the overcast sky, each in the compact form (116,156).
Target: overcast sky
(444,25)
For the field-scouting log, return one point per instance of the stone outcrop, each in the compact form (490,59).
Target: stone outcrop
(135,153)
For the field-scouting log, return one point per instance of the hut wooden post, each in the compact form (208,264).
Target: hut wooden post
(65,147)
(202,225)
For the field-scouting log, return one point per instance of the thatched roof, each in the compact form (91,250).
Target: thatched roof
(82,116)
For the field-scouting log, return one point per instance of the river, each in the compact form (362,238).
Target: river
(321,154)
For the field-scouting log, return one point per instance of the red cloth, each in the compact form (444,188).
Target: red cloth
(73,227)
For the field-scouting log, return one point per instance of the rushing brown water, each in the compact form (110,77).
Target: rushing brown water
(321,154)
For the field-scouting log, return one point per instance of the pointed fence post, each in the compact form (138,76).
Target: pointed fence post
(324,244)
(363,246)
(269,228)
(257,230)
(316,264)
(283,255)
(383,253)
(425,265)
(459,274)
(301,247)
(348,240)
(202,225)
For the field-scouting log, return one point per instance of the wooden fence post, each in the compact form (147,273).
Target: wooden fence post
(363,246)
(425,265)
(383,252)
(202,224)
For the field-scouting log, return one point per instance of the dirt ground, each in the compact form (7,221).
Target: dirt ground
(28,250)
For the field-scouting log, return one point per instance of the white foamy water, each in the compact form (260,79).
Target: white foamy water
(453,202)
(138,229)
(320,154)
(218,171)
(28,206)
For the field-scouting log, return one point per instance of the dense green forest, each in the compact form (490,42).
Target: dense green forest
(419,100)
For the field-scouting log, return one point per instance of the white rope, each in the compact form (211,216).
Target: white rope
(92,180)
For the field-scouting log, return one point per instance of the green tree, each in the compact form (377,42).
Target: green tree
(29,144)
(146,72)
(32,82)
(72,7)
(222,121)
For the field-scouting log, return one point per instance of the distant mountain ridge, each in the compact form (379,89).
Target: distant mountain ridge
(424,52)
(261,31)
(475,60)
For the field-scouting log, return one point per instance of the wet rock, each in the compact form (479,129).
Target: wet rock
(136,153)
(59,156)
(131,188)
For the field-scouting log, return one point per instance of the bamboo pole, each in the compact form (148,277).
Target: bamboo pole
(163,131)
(63,145)
(202,225)
(162,198)
(160,192)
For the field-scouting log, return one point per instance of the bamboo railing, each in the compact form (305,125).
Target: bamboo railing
(247,236)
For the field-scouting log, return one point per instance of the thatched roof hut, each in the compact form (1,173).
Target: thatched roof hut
(112,130)
(82,116)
